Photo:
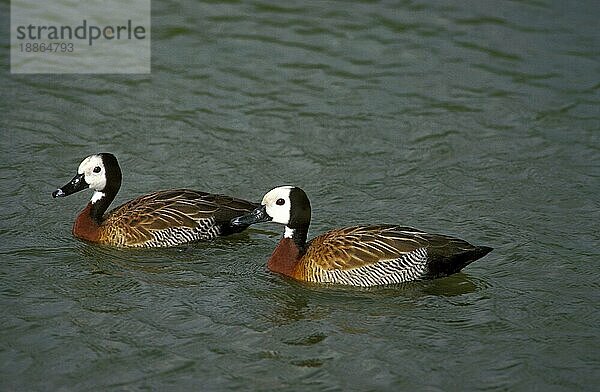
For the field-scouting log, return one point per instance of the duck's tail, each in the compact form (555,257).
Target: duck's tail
(452,264)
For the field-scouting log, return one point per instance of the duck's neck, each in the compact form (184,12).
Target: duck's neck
(298,235)
(89,220)
(99,204)
(288,252)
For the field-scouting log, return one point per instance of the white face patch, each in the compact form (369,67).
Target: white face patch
(94,172)
(278,204)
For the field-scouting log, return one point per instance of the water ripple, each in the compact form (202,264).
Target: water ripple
(467,119)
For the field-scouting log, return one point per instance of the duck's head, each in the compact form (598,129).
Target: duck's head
(100,172)
(287,205)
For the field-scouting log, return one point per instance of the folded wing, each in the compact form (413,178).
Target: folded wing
(383,254)
(178,216)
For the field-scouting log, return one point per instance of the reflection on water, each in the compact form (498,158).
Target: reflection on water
(471,119)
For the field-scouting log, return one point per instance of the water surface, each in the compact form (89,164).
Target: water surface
(477,119)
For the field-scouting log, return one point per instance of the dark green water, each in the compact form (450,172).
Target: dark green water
(476,119)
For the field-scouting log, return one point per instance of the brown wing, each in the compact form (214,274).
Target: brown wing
(359,246)
(180,210)
(375,255)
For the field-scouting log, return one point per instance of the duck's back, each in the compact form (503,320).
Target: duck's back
(172,217)
(383,254)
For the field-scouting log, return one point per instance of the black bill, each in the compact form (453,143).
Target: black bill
(75,185)
(258,215)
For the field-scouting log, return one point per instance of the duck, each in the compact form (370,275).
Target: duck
(362,255)
(161,219)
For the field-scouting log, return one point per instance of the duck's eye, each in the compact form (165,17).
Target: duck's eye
(97,169)
(280,202)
